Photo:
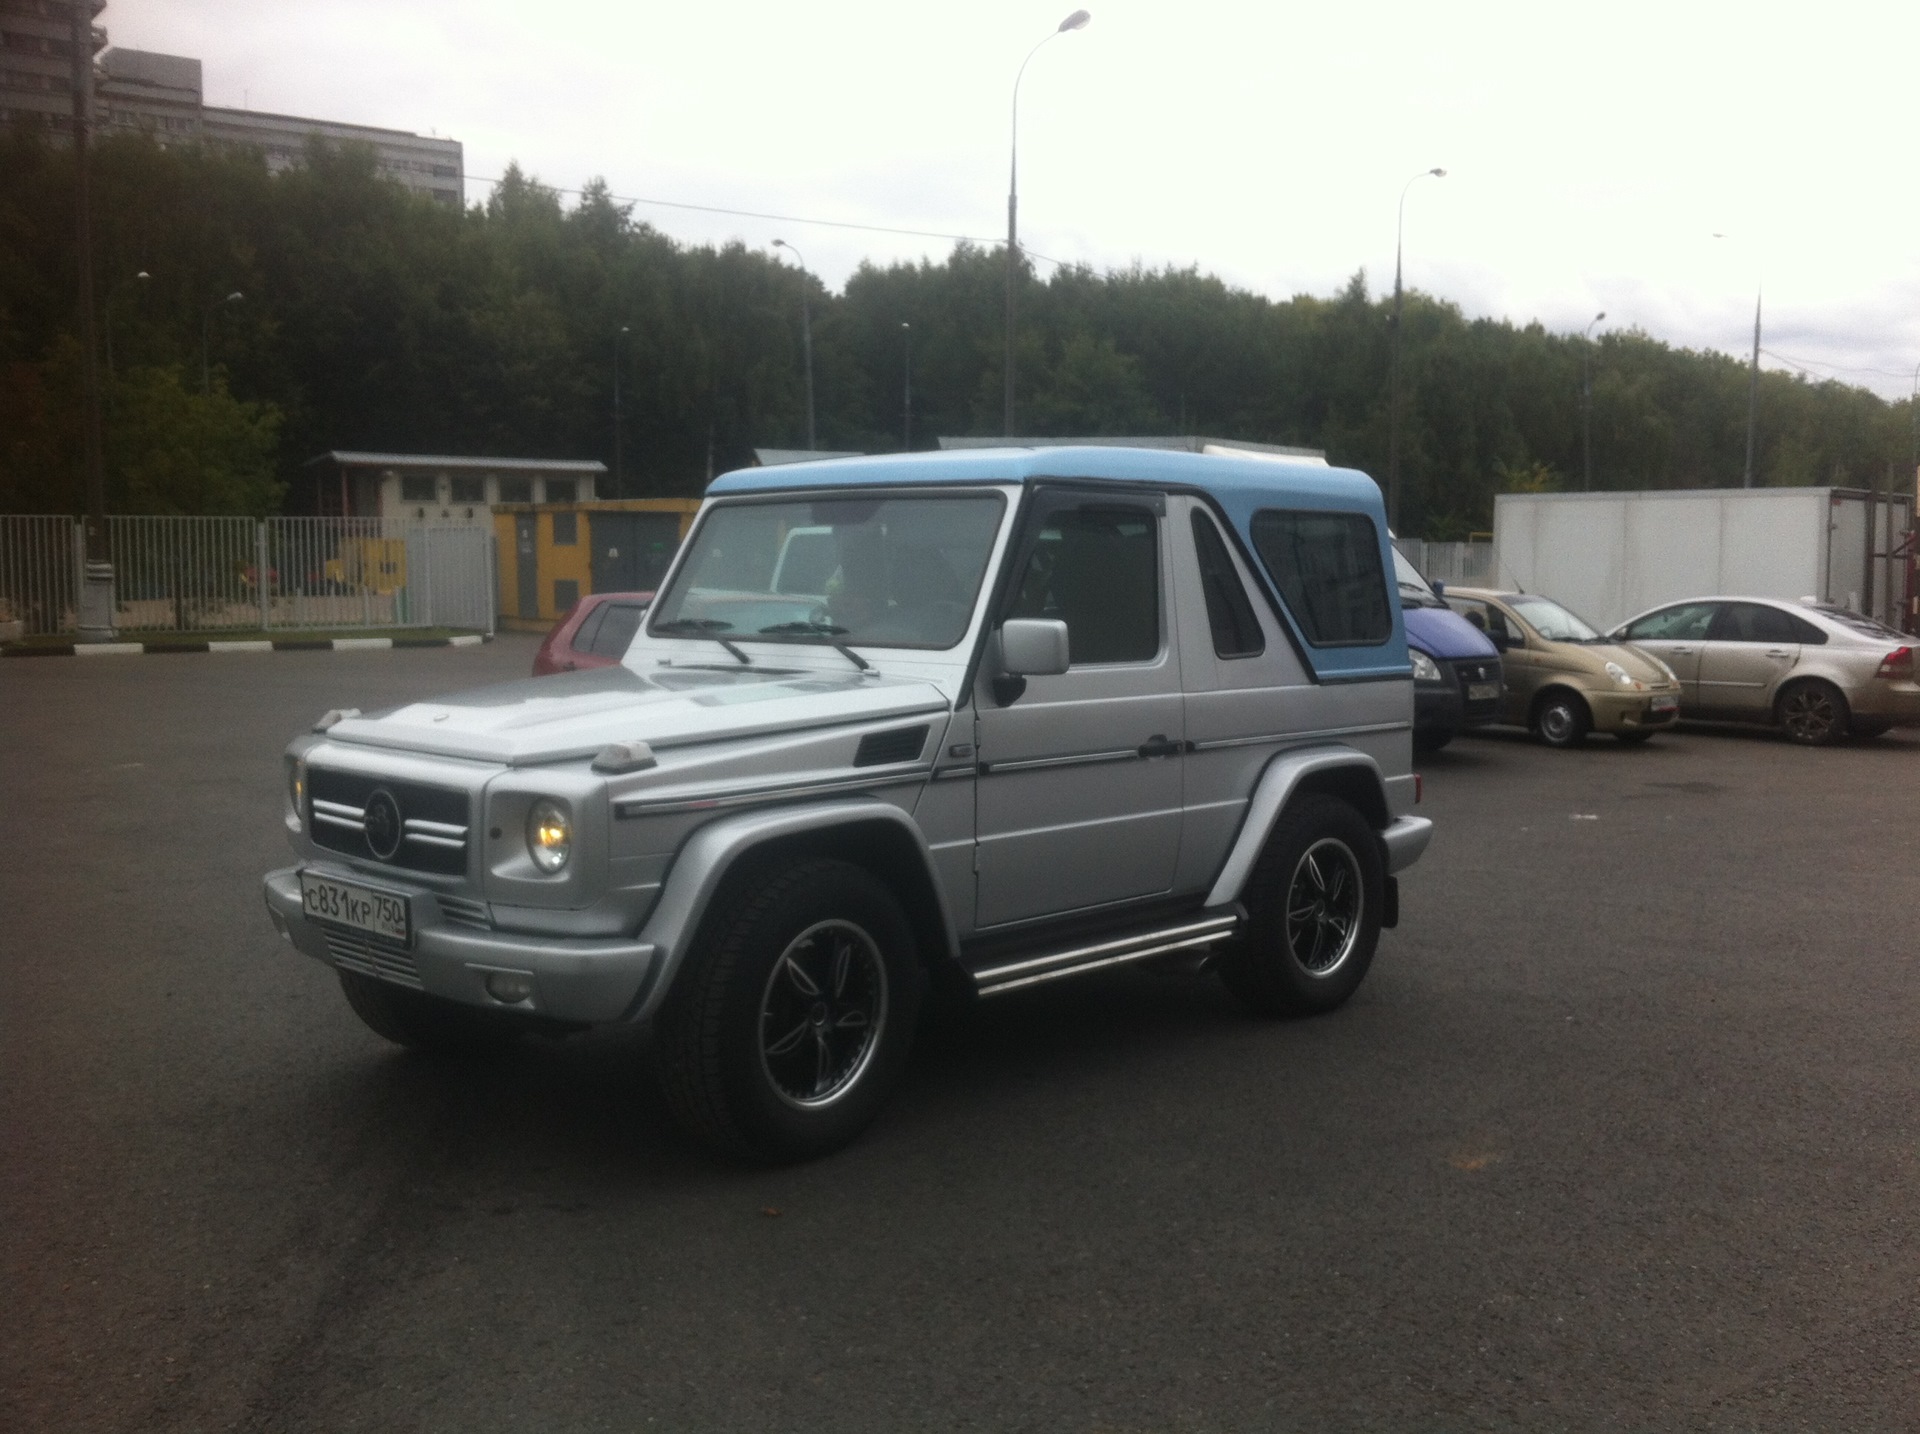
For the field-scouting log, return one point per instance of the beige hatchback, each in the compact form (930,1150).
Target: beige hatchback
(1564,679)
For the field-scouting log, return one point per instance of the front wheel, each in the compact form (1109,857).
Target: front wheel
(1562,720)
(1314,904)
(1814,714)
(791,1022)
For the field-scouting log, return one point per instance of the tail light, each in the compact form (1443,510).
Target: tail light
(1897,665)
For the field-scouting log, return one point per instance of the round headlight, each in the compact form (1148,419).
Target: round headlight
(297,784)
(1619,674)
(549,835)
(1425,669)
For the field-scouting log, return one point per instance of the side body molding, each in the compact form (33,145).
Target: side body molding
(1404,838)
(711,852)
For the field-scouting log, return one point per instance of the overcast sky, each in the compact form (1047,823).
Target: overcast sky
(1590,154)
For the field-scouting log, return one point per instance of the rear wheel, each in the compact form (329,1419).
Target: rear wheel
(1314,905)
(1561,719)
(792,1020)
(422,1022)
(1813,714)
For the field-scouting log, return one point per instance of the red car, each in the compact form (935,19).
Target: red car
(595,633)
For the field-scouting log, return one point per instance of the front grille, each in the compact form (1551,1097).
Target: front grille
(1488,671)
(460,911)
(432,830)
(372,956)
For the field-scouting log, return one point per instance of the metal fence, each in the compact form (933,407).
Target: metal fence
(244,574)
(1468,563)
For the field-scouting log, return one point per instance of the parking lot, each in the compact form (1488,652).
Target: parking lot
(1622,1132)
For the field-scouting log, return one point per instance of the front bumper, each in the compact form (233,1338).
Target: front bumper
(574,979)
(1630,711)
(1406,838)
(1443,706)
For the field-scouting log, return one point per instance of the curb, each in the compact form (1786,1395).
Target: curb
(277,644)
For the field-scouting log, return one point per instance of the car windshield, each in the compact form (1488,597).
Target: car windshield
(1856,622)
(1414,589)
(1551,621)
(850,571)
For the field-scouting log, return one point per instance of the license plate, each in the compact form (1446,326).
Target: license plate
(1482,691)
(380,913)
(1664,704)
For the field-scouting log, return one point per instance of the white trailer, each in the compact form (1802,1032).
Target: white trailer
(1609,556)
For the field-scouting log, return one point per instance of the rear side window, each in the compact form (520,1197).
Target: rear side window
(1327,567)
(1236,631)
(614,634)
(1684,622)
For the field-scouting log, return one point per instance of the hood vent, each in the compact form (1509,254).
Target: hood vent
(879,749)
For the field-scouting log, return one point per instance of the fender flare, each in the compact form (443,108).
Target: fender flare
(1278,783)
(707,857)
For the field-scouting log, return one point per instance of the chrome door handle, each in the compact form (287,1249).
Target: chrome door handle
(1681,651)
(1778,652)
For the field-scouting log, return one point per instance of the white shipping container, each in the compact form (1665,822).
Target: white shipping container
(1608,556)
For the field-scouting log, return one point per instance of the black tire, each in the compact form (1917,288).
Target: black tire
(1812,713)
(1293,961)
(1870,727)
(1632,739)
(421,1022)
(1431,739)
(1561,719)
(751,975)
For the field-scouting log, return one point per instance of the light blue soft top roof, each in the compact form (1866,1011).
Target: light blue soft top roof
(1240,486)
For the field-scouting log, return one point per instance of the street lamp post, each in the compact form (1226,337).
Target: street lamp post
(1586,402)
(619,483)
(1753,386)
(206,318)
(906,388)
(806,336)
(96,607)
(1076,21)
(1393,396)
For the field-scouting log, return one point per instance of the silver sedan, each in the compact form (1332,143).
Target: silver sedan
(1819,673)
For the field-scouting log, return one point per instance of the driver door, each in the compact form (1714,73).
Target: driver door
(1079,796)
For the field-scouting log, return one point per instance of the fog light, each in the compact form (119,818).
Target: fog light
(280,923)
(510,988)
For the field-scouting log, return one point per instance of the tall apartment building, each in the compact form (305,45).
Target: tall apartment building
(161,96)
(37,60)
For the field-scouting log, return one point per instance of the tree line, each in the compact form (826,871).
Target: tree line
(372,318)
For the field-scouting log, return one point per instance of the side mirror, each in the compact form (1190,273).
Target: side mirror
(1029,647)
(1439,588)
(1033,647)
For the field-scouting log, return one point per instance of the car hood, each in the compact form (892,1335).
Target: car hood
(1638,664)
(575,714)
(1442,632)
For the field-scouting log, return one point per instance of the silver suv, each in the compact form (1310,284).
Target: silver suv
(973,720)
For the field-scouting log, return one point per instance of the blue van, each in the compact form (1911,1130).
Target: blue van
(1457,680)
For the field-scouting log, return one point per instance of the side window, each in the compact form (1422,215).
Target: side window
(1098,568)
(1804,631)
(615,633)
(1327,567)
(1685,622)
(1236,630)
(1751,622)
(583,638)
(1474,612)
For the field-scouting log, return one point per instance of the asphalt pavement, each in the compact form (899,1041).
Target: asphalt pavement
(1620,1133)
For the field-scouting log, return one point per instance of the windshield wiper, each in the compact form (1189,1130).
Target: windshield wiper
(819,629)
(707,627)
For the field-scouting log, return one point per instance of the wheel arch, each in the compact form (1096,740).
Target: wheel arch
(866,832)
(1336,771)
(1553,689)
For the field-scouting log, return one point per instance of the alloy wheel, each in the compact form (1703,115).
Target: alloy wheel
(822,1014)
(1810,714)
(1324,905)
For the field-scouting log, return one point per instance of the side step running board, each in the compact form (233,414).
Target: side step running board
(1194,931)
